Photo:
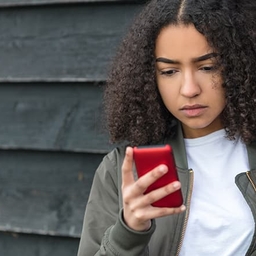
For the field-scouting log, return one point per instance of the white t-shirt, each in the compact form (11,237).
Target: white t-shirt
(220,221)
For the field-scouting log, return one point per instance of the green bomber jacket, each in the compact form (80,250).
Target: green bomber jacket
(105,233)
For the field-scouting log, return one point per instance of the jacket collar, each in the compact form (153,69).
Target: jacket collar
(251,150)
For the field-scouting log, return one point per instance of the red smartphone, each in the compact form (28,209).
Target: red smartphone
(146,158)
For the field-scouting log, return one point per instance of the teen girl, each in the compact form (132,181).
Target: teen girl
(185,75)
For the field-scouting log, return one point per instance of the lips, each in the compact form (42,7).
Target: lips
(193,110)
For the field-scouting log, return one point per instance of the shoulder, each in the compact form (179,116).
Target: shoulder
(110,166)
(115,157)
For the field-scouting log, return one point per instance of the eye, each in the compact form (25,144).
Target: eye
(169,72)
(209,68)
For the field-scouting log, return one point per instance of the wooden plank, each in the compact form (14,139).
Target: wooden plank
(45,193)
(61,43)
(15,3)
(61,117)
(30,245)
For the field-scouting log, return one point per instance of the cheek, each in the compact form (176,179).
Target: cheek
(169,96)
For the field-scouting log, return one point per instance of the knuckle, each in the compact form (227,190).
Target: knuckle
(168,189)
(176,210)
(127,197)
(125,201)
(163,211)
(156,174)
(124,167)
(133,208)
(139,215)
(150,198)
(140,185)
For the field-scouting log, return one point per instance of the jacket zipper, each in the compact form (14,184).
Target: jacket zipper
(191,182)
(250,179)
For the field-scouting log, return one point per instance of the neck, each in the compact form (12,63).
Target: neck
(190,133)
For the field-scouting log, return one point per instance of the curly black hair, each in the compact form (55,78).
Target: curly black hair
(134,109)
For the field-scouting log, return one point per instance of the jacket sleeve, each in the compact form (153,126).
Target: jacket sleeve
(104,232)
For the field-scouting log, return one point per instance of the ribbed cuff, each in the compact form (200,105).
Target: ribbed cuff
(124,238)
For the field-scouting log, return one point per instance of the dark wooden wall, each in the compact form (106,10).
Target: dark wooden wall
(54,58)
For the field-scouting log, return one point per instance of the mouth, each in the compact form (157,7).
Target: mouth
(193,110)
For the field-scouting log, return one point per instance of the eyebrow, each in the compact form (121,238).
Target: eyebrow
(198,59)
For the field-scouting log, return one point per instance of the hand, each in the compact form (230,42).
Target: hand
(138,211)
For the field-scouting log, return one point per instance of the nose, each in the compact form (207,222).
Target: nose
(190,85)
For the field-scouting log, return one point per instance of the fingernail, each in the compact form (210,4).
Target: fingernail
(183,207)
(176,185)
(163,169)
(127,150)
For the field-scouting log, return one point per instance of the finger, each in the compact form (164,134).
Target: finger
(156,212)
(127,173)
(146,180)
(160,193)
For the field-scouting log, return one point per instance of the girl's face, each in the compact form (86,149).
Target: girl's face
(188,80)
